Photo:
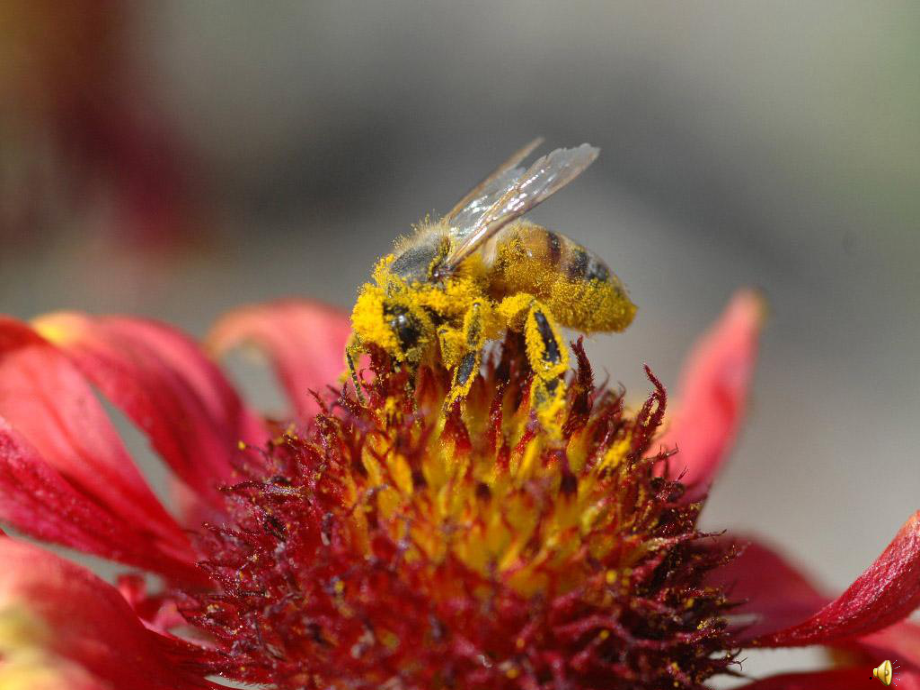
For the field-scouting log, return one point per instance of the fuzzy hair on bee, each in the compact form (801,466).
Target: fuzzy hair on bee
(480,271)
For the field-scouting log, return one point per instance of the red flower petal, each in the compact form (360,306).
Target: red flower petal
(166,385)
(713,393)
(36,499)
(773,593)
(884,594)
(48,402)
(840,679)
(900,641)
(304,340)
(66,612)
(776,595)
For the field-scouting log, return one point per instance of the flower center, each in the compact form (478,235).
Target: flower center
(406,544)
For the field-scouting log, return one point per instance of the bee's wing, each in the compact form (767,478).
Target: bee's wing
(463,216)
(522,191)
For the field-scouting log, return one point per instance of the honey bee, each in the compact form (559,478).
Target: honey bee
(480,271)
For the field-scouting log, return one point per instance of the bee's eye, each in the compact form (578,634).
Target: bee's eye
(405,327)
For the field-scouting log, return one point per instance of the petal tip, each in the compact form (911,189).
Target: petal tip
(58,328)
(714,389)
(754,302)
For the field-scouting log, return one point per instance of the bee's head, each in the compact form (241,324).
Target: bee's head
(392,322)
(405,326)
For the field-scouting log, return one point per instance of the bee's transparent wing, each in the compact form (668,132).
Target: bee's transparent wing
(521,192)
(467,219)
(463,217)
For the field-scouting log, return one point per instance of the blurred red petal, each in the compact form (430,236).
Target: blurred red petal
(192,507)
(900,641)
(36,499)
(839,679)
(47,400)
(773,593)
(713,393)
(166,385)
(188,359)
(304,340)
(887,592)
(63,610)
(158,611)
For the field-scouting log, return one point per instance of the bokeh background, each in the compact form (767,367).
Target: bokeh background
(177,158)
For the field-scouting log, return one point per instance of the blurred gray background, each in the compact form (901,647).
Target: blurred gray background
(767,144)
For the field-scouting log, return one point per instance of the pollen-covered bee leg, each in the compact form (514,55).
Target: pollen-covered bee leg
(352,352)
(549,359)
(474,336)
(452,343)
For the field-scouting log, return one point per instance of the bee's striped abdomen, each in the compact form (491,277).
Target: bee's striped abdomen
(575,283)
(554,244)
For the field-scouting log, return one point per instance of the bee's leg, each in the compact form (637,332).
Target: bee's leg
(474,337)
(549,359)
(352,352)
(452,343)
(546,353)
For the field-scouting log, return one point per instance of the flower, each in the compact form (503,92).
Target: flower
(394,541)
